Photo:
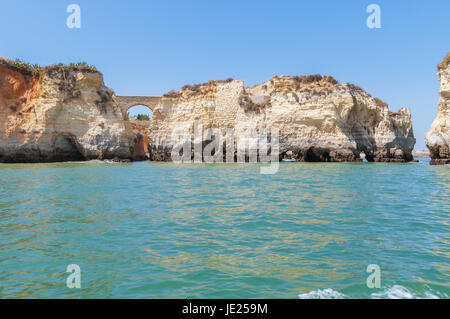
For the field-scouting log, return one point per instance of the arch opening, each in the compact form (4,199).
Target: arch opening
(140,117)
(139,113)
(363,157)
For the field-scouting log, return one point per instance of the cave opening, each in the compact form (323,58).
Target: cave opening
(66,149)
(317,155)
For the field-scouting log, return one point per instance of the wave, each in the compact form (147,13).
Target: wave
(394,292)
(400,292)
(323,294)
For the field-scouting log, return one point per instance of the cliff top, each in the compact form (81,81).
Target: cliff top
(305,79)
(258,97)
(445,63)
(20,66)
(197,89)
(277,81)
(35,69)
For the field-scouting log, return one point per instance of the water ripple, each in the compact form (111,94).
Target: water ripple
(160,230)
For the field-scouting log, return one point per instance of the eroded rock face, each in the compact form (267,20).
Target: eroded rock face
(437,138)
(67,113)
(59,114)
(141,140)
(318,118)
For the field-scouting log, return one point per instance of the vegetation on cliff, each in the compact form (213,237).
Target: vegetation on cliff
(196,89)
(58,113)
(35,69)
(445,63)
(249,105)
(302,79)
(138,117)
(79,66)
(21,66)
(380,103)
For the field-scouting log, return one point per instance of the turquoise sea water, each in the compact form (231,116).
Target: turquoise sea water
(161,230)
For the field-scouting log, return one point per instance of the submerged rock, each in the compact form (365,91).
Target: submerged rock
(319,119)
(59,113)
(437,138)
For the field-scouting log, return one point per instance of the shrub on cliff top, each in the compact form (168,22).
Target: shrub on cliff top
(26,66)
(172,94)
(81,66)
(380,102)
(21,66)
(300,80)
(354,87)
(195,89)
(444,64)
(249,106)
(35,69)
(315,78)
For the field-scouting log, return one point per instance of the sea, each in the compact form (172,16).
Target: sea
(163,230)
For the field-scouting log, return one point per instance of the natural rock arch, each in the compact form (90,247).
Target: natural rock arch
(127,102)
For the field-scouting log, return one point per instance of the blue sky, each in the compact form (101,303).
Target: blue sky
(151,47)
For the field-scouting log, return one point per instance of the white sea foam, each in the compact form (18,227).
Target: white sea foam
(102,161)
(429,295)
(400,292)
(322,294)
(394,292)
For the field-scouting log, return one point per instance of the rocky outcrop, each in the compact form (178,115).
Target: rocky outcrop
(65,113)
(318,118)
(59,113)
(437,138)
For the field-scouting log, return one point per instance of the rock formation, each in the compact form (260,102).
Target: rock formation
(318,118)
(141,140)
(437,138)
(59,113)
(62,113)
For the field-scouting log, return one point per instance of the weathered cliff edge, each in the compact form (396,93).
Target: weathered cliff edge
(59,113)
(437,138)
(318,118)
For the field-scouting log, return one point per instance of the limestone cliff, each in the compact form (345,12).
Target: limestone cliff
(437,138)
(318,118)
(59,113)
